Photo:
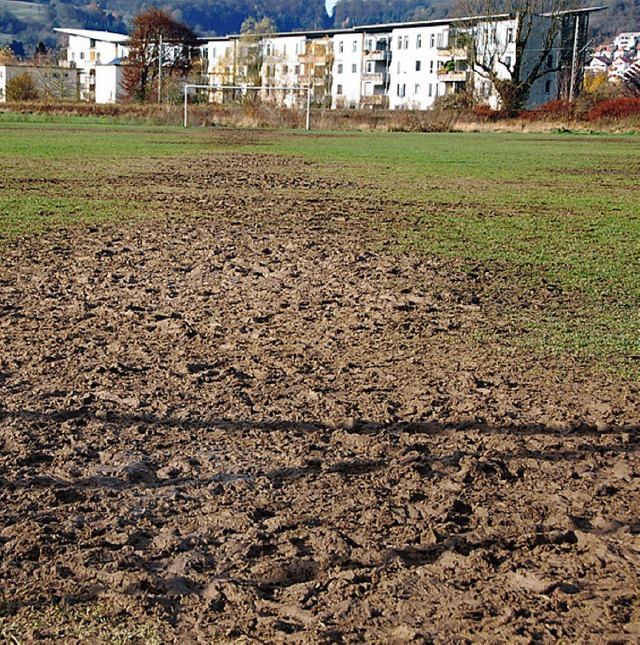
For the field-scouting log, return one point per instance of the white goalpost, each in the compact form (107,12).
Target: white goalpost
(267,88)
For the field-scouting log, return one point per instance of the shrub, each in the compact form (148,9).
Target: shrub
(486,113)
(21,88)
(618,108)
(558,109)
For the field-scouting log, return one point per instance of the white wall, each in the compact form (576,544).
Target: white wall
(413,79)
(347,69)
(495,44)
(280,55)
(108,83)
(83,55)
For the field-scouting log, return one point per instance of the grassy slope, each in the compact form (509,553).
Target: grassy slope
(559,211)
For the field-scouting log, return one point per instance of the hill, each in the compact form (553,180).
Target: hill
(25,24)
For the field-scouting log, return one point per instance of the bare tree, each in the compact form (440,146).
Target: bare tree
(517,42)
(250,57)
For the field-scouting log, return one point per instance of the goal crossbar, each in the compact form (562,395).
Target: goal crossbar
(213,88)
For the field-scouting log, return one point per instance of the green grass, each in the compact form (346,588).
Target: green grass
(559,211)
(544,209)
(93,622)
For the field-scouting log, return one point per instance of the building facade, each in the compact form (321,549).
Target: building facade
(395,66)
(50,81)
(97,55)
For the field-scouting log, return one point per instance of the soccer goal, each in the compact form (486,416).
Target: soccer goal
(288,97)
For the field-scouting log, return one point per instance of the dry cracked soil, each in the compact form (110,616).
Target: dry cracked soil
(248,419)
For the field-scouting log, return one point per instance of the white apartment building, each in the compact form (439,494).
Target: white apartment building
(376,59)
(495,49)
(414,81)
(346,88)
(90,51)
(396,66)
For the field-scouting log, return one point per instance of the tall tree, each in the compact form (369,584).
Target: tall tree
(251,54)
(160,48)
(513,59)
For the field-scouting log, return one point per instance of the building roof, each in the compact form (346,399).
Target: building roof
(105,36)
(387,27)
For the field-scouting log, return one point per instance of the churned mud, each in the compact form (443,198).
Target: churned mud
(249,418)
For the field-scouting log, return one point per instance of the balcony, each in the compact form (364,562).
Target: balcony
(453,53)
(377,54)
(446,76)
(376,78)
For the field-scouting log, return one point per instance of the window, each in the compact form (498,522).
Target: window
(431,67)
(507,61)
(370,67)
(284,50)
(416,88)
(92,43)
(547,87)
(81,55)
(369,44)
(398,67)
(340,68)
(354,68)
(406,42)
(510,35)
(341,47)
(439,41)
(355,46)
(401,90)
(339,89)
(418,65)
(418,41)
(399,42)
(550,60)
(269,50)
(296,70)
(430,89)
(432,41)
(285,69)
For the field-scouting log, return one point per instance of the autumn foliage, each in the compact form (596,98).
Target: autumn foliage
(156,36)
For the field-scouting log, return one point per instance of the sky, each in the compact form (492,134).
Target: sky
(330,4)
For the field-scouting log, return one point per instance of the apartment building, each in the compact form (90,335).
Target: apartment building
(97,55)
(395,66)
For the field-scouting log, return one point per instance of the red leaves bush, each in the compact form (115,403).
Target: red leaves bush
(559,109)
(615,109)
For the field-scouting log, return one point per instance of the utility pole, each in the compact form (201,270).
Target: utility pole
(160,70)
(574,60)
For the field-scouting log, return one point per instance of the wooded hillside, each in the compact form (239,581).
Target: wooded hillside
(25,24)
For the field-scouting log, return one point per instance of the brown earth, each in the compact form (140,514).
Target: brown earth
(264,424)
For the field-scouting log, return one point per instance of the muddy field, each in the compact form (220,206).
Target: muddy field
(250,418)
